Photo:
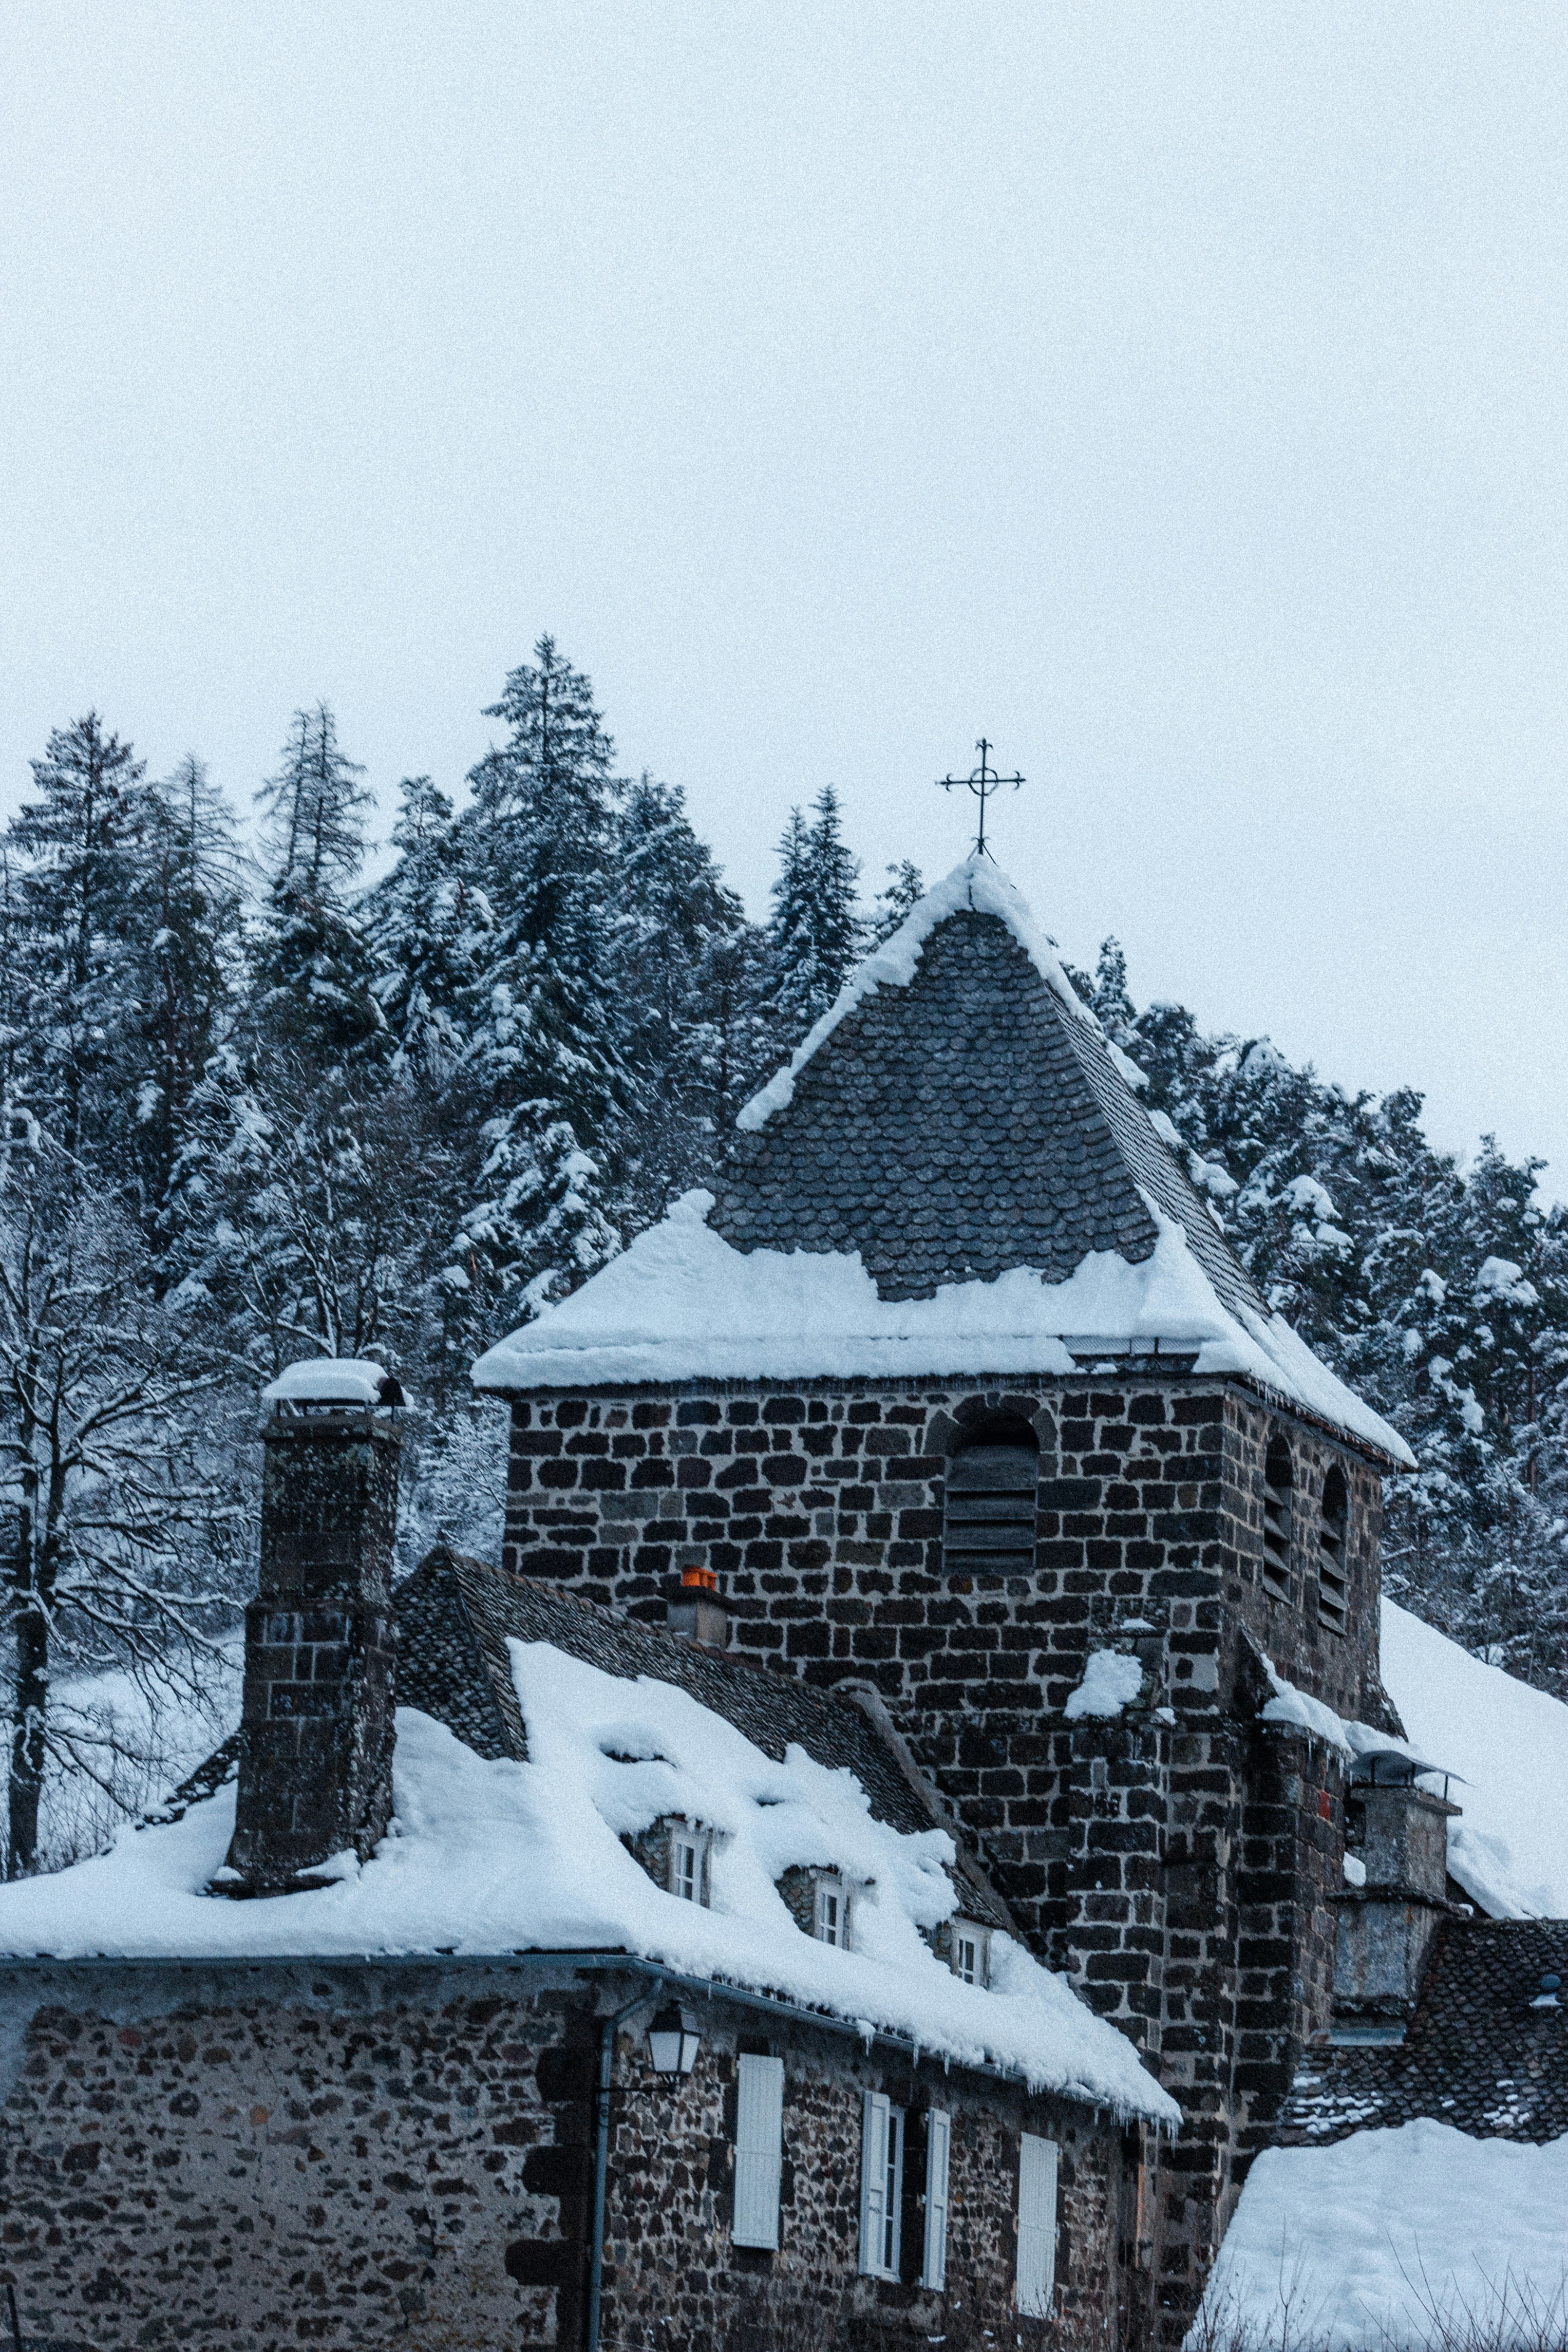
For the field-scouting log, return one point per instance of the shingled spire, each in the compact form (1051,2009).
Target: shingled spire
(963,1116)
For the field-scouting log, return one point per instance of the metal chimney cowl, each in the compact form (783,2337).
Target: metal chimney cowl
(317,1729)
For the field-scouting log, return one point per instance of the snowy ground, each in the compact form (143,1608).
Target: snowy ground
(1395,2238)
(137,1737)
(500,1857)
(1509,1848)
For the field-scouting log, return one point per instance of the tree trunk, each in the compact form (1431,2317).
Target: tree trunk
(29,1700)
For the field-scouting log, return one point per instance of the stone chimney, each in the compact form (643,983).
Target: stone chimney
(1387,1919)
(316,1735)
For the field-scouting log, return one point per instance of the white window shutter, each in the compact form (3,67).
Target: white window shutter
(758,2150)
(874,2182)
(938,2142)
(1037,2225)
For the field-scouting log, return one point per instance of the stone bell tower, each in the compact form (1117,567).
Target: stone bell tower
(952,1384)
(316,1733)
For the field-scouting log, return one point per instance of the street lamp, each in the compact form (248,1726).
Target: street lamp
(673,2040)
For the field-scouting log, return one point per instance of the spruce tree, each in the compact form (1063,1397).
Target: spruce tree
(896,904)
(675,928)
(76,852)
(186,930)
(431,926)
(547,1058)
(313,969)
(816,932)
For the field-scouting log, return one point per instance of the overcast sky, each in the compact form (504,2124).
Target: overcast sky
(1174,394)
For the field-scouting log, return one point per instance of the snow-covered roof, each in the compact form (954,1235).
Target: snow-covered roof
(977,885)
(682,1304)
(1500,1747)
(1509,1848)
(1412,2236)
(494,1855)
(334,1380)
(952,1177)
(1364,1745)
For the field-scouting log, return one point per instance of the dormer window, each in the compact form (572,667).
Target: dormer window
(677,1855)
(689,1862)
(1277,1480)
(1333,1567)
(988,1523)
(971,1952)
(832,1911)
(821,1903)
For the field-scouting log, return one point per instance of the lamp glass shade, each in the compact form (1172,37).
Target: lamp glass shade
(673,2041)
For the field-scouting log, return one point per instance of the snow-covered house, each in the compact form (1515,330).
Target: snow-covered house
(614,1991)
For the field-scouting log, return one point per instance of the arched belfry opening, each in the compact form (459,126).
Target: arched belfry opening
(1278,1478)
(988,1524)
(1333,1568)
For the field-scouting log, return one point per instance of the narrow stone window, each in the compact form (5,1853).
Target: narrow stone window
(1333,1567)
(1276,1483)
(989,1521)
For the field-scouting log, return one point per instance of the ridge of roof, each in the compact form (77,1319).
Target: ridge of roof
(979,885)
(967,1013)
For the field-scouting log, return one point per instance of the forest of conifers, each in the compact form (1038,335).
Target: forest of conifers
(251,1110)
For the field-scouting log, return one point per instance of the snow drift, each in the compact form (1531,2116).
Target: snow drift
(1509,1848)
(1393,2238)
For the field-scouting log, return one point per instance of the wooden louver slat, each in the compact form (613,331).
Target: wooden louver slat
(989,1523)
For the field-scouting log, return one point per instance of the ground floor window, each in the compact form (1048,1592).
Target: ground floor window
(1037,2225)
(882,2185)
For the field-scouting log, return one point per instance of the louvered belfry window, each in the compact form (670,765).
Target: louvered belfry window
(1334,1568)
(989,1522)
(1277,1483)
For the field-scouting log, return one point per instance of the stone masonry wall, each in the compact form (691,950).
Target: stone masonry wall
(1167,1861)
(401,2155)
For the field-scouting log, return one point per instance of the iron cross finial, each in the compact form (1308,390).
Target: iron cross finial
(982,782)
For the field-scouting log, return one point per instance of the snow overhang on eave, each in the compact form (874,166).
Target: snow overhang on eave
(580,1962)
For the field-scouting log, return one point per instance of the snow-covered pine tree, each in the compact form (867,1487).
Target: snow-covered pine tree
(313,971)
(431,928)
(547,1057)
(903,893)
(1477,1538)
(1441,1293)
(185,937)
(675,921)
(75,853)
(740,1039)
(816,932)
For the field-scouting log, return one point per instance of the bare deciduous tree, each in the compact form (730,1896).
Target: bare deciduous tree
(115,1530)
